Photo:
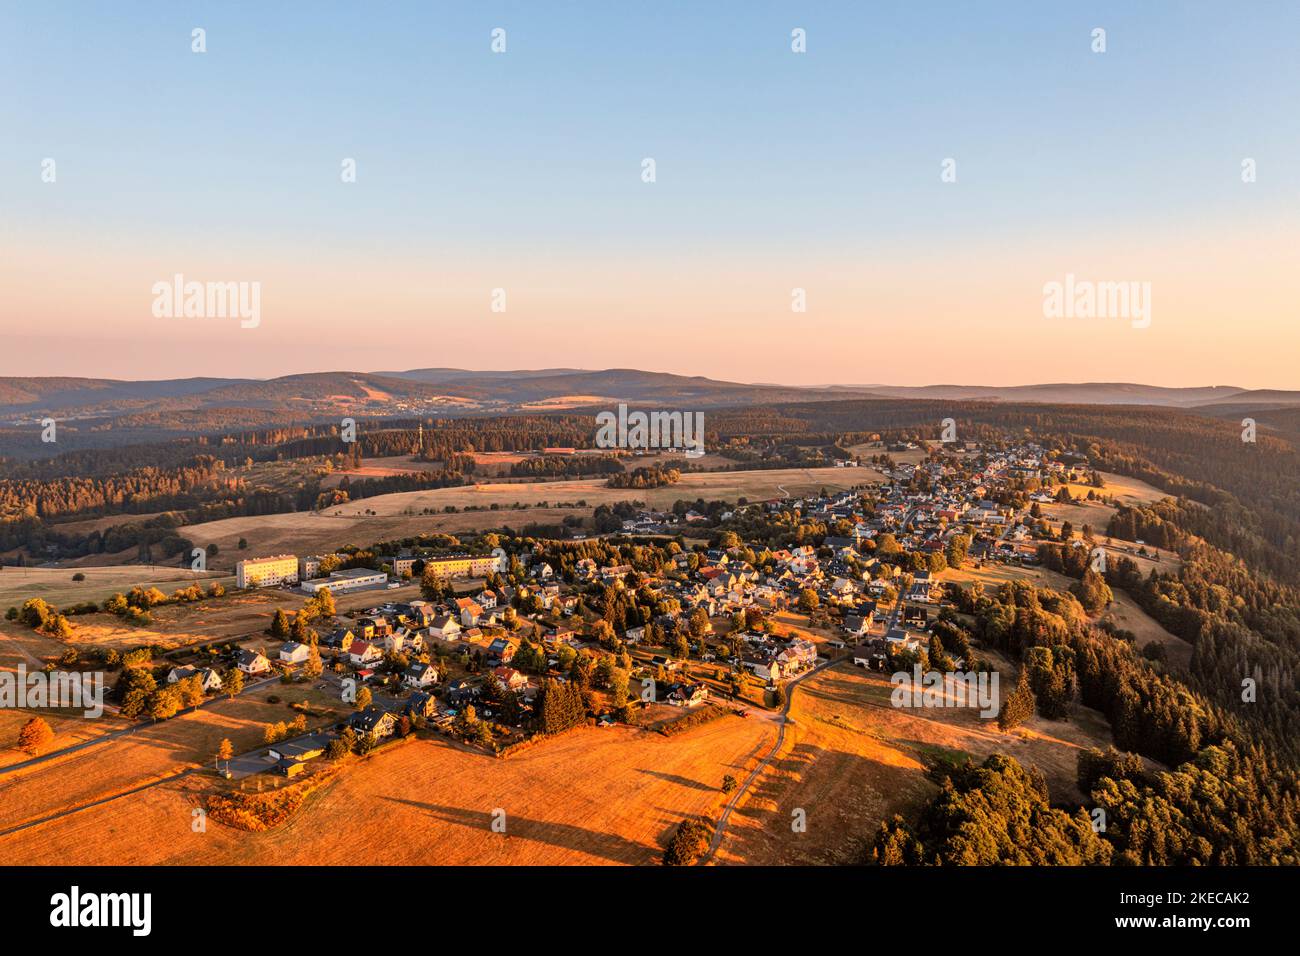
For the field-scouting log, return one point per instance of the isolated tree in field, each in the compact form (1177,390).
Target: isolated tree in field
(225,751)
(243,544)
(729,784)
(1019,707)
(35,612)
(35,736)
(364,698)
(808,600)
(689,843)
(232,682)
(958,550)
(58,627)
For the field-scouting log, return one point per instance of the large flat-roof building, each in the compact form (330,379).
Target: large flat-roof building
(267,572)
(349,580)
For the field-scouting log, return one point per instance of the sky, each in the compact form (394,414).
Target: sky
(774,171)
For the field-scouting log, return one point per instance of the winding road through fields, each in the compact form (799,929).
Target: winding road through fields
(782,720)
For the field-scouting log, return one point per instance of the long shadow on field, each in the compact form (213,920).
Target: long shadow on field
(579,839)
(679,780)
(843,800)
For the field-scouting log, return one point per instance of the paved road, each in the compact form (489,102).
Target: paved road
(783,720)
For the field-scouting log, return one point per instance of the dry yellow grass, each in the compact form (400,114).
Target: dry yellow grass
(56,586)
(851,760)
(161,750)
(1127,491)
(68,728)
(1126,614)
(589,797)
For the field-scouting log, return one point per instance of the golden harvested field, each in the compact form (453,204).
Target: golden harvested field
(69,728)
(852,760)
(754,485)
(398,515)
(992,575)
(236,615)
(381,467)
(911,457)
(56,585)
(104,770)
(1127,491)
(591,796)
(19,644)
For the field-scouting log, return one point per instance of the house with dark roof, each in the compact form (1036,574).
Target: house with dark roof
(420,704)
(253,662)
(420,675)
(373,722)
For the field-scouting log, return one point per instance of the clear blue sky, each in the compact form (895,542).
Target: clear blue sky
(760,152)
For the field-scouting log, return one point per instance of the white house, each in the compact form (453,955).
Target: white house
(364,652)
(253,662)
(210,679)
(420,675)
(444,627)
(292,652)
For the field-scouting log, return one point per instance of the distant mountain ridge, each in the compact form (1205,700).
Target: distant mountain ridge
(1080,393)
(440,390)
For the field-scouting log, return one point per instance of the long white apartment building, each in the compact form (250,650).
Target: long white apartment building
(267,572)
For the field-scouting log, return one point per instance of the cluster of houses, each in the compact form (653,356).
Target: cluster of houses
(921,507)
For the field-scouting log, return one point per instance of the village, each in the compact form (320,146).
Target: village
(720,624)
